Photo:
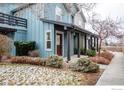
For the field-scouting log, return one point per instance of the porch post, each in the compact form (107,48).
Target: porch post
(97,44)
(54,41)
(90,42)
(94,41)
(85,42)
(79,44)
(68,46)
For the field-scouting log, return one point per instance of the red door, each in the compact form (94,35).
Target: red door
(59,44)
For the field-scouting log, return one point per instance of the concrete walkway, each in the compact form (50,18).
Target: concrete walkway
(114,74)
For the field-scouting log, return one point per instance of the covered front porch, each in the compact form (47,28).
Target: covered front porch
(69,37)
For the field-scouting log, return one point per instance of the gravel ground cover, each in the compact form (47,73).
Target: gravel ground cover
(20,74)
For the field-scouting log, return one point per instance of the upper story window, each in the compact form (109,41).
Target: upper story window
(80,23)
(58,14)
(48,40)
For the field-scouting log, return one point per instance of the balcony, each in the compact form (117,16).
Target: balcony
(12,21)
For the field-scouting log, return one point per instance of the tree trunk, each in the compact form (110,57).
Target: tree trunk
(100,43)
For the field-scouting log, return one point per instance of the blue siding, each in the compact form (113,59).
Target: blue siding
(36,28)
(46,27)
(19,35)
(7,7)
(50,12)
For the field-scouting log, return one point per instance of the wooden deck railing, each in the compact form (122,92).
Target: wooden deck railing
(12,20)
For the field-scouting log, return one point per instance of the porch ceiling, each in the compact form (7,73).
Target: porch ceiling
(69,26)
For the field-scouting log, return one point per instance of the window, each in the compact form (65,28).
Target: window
(48,40)
(80,23)
(58,14)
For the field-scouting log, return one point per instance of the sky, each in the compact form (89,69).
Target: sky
(113,10)
(110,9)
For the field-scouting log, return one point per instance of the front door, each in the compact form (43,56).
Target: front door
(59,44)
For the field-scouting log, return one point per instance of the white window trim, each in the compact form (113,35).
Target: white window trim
(58,12)
(48,49)
(80,23)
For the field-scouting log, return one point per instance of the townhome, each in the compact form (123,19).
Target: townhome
(57,28)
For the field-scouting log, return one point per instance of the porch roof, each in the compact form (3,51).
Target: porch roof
(69,25)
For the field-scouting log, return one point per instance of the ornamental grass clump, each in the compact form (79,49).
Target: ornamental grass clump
(28,60)
(6,45)
(91,52)
(55,61)
(84,65)
(100,60)
(107,55)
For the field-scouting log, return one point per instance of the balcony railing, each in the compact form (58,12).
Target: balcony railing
(12,20)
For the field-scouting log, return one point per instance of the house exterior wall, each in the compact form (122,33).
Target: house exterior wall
(79,21)
(50,9)
(20,33)
(36,28)
(7,7)
(82,41)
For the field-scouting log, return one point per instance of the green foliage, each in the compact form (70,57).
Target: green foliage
(91,52)
(23,47)
(6,45)
(82,51)
(84,65)
(55,61)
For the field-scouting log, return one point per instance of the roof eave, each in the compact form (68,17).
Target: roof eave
(20,7)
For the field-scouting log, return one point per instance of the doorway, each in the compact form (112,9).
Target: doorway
(59,44)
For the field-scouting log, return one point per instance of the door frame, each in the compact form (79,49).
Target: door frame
(62,33)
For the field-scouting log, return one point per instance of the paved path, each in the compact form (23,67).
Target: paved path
(114,74)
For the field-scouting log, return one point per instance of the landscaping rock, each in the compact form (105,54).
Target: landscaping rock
(20,74)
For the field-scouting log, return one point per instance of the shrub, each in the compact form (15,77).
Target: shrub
(91,52)
(34,53)
(23,47)
(100,60)
(107,55)
(82,50)
(28,60)
(6,45)
(5,57)
(84,65)
(55,61)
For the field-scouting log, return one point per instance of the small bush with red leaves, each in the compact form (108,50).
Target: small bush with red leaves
(100,60)
(34,53)
(107,55)
(28,60)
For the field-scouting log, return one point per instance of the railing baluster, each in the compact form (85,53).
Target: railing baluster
(12,20)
